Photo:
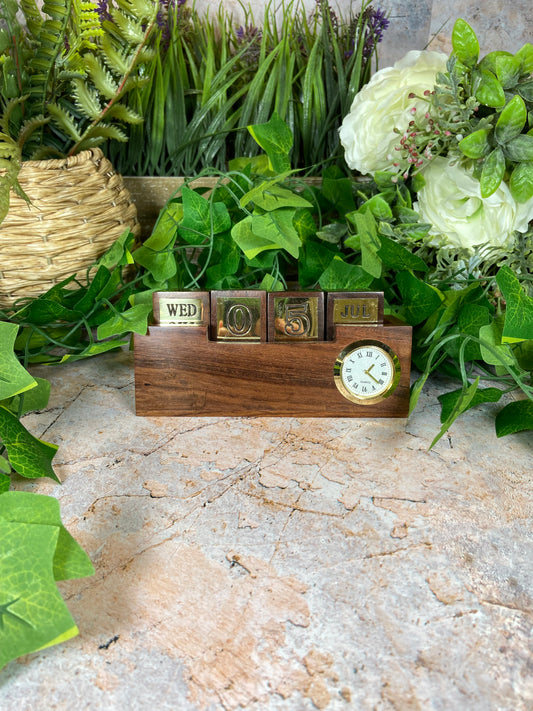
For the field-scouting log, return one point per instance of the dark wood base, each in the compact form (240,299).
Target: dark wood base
(180,372)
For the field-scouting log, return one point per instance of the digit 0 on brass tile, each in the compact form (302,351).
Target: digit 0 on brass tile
(238,315)
(353,308)
(296,316)
(181,308)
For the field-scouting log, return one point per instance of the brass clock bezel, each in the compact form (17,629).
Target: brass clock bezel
(388,353)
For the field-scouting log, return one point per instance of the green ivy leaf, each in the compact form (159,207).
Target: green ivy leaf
(339,192)
(30,457)
(419,299)
(94,349)
(450,400)
(315,258)
(519,308)
(34,399)
(465,43)
(396,256)
(250,243)
(201,217)
(269,283)
(5,469)
(379,208)
(224,262)
(88,297)
(277,227)
(70,560)
(134,320)
(333,233)
(462,403)
(269,196)
(521,181)
(14,378)
(119,253)
(492,173)
(161,265)
(165,229)
(493,351)
(276,139)
(471,318)
(36,551)
(366,227)
(45,310)
(305,225)
(515,417)
(341,276)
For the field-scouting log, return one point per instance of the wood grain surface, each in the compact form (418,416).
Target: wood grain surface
(180,372)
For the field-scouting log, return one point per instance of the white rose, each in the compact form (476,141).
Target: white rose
(367,132)
(451,201)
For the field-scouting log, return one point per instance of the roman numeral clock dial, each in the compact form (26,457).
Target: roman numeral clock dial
(367,372)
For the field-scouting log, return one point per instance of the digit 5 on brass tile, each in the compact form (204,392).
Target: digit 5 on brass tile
(296,316)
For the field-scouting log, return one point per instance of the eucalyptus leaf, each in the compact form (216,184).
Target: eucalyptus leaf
(476,144)
(521,181)
(511,121)
(489,90)
(520,148)
(465,43)
(492,173)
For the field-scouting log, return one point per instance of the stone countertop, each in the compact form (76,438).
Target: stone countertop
(281,563)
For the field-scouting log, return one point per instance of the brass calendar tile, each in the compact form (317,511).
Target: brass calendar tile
(238,315)
(353,308)
(181,308)
(296,316)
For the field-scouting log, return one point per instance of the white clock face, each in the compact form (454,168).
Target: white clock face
(367,371)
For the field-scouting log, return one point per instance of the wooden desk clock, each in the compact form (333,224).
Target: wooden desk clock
(292,353)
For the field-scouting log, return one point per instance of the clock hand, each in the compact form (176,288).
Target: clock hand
(367,372)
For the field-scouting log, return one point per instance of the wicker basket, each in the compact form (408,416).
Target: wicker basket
(79,207)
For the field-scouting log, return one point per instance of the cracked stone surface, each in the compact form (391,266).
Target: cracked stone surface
(284,564)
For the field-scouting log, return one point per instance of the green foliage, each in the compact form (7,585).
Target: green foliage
(36,549)
(64,78)
(209,80)
(36,552)
(498,92)
(257,228)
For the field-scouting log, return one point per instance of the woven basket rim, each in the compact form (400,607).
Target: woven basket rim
(66,162)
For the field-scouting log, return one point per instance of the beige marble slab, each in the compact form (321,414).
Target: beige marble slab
(294,564)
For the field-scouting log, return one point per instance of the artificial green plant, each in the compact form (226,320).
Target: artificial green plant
(64,75)
(210,79)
